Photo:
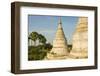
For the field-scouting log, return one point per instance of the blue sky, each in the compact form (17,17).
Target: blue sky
(47,26)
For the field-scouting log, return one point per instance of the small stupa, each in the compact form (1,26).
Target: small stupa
(80,39)
(60,47)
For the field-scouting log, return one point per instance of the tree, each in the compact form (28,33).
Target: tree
(48,46)
(40,51)
(42,39)
(33,36)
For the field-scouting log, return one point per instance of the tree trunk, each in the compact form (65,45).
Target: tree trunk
(34,43)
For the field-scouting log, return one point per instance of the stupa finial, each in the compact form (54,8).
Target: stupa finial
(60,22)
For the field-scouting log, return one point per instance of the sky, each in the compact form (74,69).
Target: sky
(47,26)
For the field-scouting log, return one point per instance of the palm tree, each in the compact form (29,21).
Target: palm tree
(34,36)
(42,39)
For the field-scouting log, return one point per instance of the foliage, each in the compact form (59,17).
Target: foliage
(38,52)
(42,39)
(33,36)
(69,47)
(35,53)
(36,36)
(48,46)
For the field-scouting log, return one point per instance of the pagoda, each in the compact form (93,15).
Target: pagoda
(60,47)
(80,39)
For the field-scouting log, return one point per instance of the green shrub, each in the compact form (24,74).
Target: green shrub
(37,52)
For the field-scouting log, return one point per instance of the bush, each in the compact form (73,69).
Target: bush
(38,52)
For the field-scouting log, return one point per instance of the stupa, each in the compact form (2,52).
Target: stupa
(80,39)
(60,48)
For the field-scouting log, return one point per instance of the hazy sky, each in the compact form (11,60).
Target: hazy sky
(47,25)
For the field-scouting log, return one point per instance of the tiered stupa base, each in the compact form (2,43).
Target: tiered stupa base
(79,54)
(51,56)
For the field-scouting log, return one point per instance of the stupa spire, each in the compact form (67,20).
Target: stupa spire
(60,22)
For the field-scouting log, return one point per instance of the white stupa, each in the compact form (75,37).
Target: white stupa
(60,48)
(80,39)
